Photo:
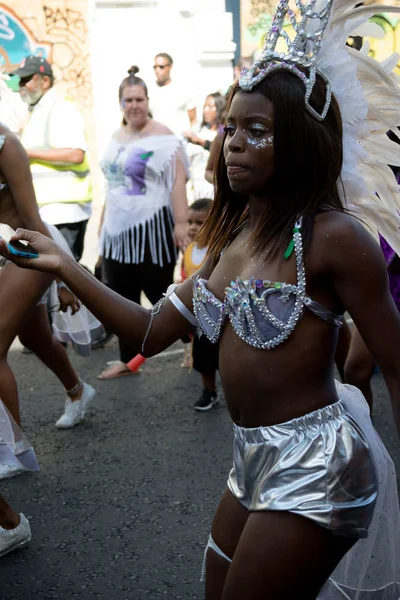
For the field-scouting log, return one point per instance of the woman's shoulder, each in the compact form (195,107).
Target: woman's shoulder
(342,240)
(339,223)
(160,129)
(344,227)
(118,135)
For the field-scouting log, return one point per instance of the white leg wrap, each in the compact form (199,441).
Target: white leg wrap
(211,544)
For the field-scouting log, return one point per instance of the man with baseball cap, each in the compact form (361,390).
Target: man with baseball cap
(54,138)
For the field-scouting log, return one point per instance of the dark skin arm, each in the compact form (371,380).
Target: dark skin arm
(359,276)
(192,113)
(14,164)
(72,156)
(129,321)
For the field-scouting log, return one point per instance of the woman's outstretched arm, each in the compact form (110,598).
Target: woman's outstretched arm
(128,320)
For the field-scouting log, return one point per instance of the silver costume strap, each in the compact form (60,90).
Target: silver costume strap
(185,312)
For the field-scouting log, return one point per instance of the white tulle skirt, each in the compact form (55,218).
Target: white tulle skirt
(82,328)
(16,454)
(371,570)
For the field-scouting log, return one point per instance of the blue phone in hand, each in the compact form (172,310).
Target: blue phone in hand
(18,249)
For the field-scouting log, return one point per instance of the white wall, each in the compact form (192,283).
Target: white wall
(197,33)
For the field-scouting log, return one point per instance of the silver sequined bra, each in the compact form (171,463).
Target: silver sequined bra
(263,313)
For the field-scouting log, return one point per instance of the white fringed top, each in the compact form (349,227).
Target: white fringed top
(140,176)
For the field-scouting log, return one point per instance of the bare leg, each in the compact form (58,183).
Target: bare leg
(275,555)
(20,292)
(209,381)
(227,537)
(360,366)
(36,334)
(8,517)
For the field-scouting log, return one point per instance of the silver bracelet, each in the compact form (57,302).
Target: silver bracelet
(153,312)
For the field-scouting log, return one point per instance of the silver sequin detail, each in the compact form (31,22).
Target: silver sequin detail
(300,49)
(242,294)
(267,142)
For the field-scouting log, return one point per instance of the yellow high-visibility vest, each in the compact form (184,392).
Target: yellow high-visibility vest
(60,182)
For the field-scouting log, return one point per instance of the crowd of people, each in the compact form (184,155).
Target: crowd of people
(153,166)
(310,477)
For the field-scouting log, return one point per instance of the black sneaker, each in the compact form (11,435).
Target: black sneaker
(206,401)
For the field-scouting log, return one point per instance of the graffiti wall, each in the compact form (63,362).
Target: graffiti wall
(55,29)
(256,19)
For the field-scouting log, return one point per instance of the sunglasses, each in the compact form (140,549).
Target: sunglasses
(162,67)
(24,80)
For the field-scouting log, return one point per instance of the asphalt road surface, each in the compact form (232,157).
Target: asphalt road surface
(122,506)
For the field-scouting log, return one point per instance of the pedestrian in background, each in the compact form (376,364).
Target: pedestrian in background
(170,103)
(54,138)
(200,144)
(204,353)
(144,217)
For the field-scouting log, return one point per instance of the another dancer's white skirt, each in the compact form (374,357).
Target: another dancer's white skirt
(16,454)
(82,328)
(371,570)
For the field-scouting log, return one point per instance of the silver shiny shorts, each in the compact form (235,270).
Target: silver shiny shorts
(317,466)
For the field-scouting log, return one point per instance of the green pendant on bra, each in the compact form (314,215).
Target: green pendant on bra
(290,248)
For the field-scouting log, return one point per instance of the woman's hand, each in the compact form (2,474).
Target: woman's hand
(51,256)
(67,299)
(191,137)
(181,236)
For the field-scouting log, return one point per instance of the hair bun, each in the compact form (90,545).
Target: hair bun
(133,70)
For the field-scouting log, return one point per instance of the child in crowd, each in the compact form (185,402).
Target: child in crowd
(204,353)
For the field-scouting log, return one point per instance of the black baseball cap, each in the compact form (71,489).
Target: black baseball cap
(32,65)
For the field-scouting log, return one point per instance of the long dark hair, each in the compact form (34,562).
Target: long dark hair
(129,81)
(220,105)
(308,163)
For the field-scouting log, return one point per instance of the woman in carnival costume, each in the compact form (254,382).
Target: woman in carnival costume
(24,300)
(23,312)
(311,507)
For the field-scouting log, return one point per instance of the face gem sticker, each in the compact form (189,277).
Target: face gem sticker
(267,142)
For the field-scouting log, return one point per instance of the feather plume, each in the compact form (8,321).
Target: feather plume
(368,94)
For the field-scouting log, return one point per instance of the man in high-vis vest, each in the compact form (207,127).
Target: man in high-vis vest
(54,138)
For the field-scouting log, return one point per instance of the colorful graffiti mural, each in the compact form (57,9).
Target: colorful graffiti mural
(55,29)
(17,40)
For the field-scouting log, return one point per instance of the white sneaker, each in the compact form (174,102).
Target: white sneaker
(75,411)
(10,539)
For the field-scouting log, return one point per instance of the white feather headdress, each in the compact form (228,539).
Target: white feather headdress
(367,91)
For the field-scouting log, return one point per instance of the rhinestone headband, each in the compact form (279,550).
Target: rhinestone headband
(302,50)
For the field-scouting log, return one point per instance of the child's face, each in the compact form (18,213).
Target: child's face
(196,219)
